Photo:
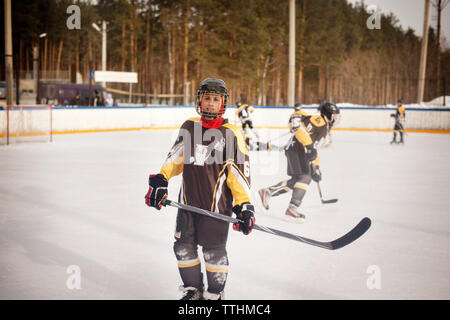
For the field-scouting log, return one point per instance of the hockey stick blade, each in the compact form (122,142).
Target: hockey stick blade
(346,239)
(330,201)
(352,235)
(321,198)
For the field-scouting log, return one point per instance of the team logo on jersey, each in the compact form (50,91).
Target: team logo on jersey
(200,154)
(219,146)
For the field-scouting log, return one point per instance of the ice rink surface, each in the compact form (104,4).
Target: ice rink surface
(79,201)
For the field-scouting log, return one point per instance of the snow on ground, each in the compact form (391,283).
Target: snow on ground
(79,201)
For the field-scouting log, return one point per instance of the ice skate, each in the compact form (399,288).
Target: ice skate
(292,214)
(213,296)
(191,293)
(264,195)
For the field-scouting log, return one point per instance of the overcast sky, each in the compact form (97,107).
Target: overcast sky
(410,14)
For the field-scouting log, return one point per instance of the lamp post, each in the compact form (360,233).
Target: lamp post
(38,68)
(8,53)
(291,83)
(103,32)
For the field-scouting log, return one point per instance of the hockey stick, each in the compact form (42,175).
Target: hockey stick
(346,239)
(321,198)
(277,147)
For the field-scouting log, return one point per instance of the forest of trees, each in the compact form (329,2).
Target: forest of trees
(171,42)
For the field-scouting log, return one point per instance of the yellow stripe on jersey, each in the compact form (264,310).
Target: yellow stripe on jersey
(238,184)
(401,110)
(174,163)
(216,189)
(239,137)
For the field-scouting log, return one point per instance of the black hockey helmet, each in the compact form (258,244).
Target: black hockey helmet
(211,85)
(297,106)
(238,104)
(330,112)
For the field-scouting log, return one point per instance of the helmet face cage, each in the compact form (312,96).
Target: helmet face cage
(215,86)
(297,106)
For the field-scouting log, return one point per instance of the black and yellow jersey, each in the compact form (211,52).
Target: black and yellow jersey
(311,130)
(214,163)
(296,118)
(400,114)
(316,127)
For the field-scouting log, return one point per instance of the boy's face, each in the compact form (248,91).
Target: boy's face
(211,102)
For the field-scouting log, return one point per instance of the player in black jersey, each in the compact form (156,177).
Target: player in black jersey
(302,158)
(399,117)
(212,156)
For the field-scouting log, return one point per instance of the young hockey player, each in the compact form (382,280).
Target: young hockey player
(399,116)
(244,112)
(212,156)
(302,158)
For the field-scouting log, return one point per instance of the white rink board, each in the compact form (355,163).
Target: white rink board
(79,119)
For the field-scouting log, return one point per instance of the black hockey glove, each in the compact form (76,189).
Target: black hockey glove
(245,212)
(310,153)
(157,191)
(316,175)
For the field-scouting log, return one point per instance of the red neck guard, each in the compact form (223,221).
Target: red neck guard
(212,124)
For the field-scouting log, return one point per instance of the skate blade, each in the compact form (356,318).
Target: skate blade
(294,220)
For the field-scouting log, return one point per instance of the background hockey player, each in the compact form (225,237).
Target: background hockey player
(399,117)
(302,158)
(244,112)
(216,172)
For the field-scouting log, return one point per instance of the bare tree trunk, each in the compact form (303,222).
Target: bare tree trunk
(58,61)
(186,48)
(20,56)
(147,67)
(27,59)
(132,44)
(438,47)
(124,48)
(301,52)
(199,41)
(277,86)
(77,53)
(53,61)
(262,95)
(321,89)
(171,71)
